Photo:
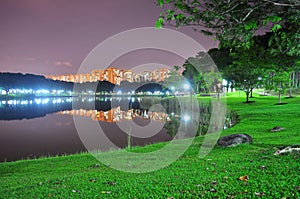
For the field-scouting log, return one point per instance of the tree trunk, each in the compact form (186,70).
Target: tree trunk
(279,93)
(247,96)
(251,93)
(290,92)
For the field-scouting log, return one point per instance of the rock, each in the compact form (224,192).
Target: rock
(234,140)
(277,128)
(288,149)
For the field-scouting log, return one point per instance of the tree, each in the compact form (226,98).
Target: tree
(175,80)
(223,60)
(248,65)
(245,76)
(279,82)
(235,22)
(198,67)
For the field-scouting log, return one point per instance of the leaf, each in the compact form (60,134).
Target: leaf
(105,192)
(160,3)
(159,23)
(276,27)
(250,26)
(244,178)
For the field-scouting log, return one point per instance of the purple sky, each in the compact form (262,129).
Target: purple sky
(54,36)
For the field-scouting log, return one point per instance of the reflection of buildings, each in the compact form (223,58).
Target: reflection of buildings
(114,76)
(116,114)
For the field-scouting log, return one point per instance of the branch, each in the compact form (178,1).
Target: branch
(233,7)
(290,48)
(282,4)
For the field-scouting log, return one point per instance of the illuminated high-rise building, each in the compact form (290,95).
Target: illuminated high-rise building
(114,75)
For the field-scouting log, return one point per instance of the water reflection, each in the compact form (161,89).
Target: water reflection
(45,126)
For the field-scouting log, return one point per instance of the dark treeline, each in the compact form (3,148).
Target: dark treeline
(30,81)
(36,82)
(150,86)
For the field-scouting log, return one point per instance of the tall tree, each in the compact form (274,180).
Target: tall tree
(196,68)
(223,60)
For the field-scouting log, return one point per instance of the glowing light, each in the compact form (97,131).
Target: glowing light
(38,101)
(186,118)
(45,101)
(42,91)
(186,86)
(24,102)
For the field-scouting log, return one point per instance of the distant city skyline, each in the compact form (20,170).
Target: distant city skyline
(46,37)
(114,76)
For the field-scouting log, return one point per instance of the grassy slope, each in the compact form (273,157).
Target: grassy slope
(215,176)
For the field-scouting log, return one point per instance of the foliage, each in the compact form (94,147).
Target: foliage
(200,72)
(279,82)
(175,80)
(223,60)
(30,81)
(235,22)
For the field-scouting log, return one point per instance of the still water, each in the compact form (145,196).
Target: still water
(45,126)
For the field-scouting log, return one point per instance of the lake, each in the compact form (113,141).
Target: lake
(45,126)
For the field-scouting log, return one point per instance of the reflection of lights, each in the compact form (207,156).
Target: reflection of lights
(42,91)
(186,118)
(38,101)
(45,101)
(3,102)
(69,100)
(132,99)
(24,102)
(186,86)
(119,92)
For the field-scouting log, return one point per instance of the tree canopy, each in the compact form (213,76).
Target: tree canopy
(235,22)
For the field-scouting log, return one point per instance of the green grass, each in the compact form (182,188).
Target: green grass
(215,176)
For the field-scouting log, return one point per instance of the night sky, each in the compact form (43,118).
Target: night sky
(54,36)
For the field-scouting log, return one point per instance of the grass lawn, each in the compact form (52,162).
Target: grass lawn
(215,176)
